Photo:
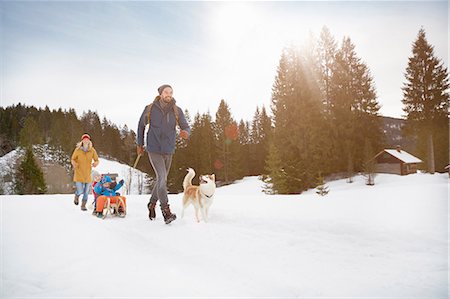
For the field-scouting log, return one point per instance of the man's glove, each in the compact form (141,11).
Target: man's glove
(140,150)
(184,134)
(121,182)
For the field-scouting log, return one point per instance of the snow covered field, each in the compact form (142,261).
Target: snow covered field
(388,240)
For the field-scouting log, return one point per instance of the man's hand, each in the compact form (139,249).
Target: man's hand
(140,150)
(184,134)
(95,164)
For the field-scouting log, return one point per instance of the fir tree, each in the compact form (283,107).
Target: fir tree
(296,109)
(322,189)
(44,123)
(276,182)
(226,132)
(266,132)
(326,49)
(31,133)
(207,144)
(30,178)
(254,145)
(244,155)
(59,136)
(354,108)
(425,99)
(260,134)
(369,163)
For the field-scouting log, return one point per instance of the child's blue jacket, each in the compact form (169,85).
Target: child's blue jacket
(101,190)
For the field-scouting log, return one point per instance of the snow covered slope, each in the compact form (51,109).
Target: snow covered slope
(135,180)
(388,240)
(7,170)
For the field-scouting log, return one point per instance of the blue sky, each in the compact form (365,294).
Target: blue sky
(112,56)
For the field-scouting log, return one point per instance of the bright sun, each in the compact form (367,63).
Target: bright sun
(232,21)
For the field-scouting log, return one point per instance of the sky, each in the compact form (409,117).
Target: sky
(111,57)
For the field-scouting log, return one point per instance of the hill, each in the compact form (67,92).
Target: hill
(392,129)
(58,172)
(388,240)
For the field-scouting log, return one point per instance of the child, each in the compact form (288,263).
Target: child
(96,177)
(104,191)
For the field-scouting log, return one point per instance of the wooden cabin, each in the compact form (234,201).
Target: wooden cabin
(396,161)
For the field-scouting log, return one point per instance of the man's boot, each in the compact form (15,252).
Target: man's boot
(83,205)
(75,201)
(151,210)
(168,216)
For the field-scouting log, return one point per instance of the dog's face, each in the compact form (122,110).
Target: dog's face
(208,179)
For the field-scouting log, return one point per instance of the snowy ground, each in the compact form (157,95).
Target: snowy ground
(388,241)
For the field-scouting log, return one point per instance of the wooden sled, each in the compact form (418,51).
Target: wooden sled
(112,208)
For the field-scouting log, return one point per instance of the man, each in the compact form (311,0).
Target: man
(163,116)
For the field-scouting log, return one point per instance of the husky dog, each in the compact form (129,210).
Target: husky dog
(201,197)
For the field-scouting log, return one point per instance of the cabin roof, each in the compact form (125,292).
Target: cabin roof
(401,155)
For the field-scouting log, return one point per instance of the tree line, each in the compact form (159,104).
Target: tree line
(324,119)
(224,147)
(326,113)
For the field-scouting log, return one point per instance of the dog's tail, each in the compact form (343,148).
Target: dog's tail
(188,178)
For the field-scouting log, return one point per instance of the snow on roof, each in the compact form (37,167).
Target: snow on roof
(403,156)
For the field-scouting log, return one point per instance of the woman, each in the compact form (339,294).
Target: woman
(82,158)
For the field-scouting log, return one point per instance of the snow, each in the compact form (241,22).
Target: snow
(403,156)
(387,240)
(7,170)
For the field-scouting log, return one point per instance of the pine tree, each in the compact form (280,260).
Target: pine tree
(226,132)
(244,155)
(59,136)
(266,132)
(296,108)
(425,99)
(276,182)
(73,128)
(369,163)
(326,49)
(30,178)
(255,164)
(260,135)
(322,189)
(208,144)
(31,133)
(44,123)
(128,139)
(354,108)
